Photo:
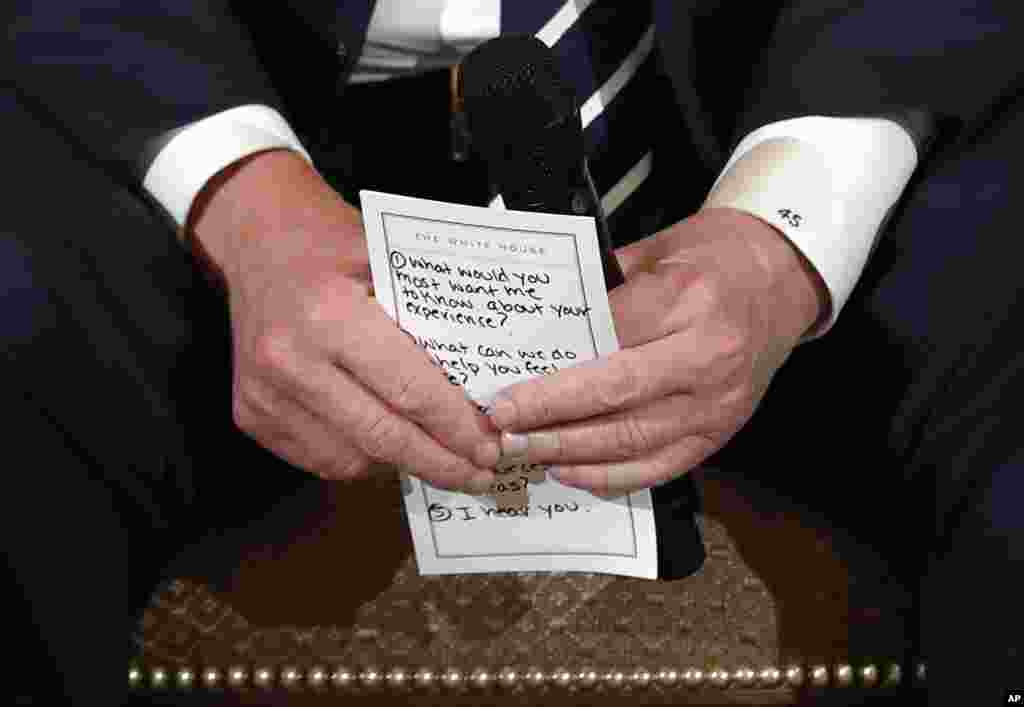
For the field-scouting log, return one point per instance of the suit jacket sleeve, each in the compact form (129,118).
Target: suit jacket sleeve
(925,64)
(114,75)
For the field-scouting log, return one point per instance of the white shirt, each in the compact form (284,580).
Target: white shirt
(825,183)
(408,37)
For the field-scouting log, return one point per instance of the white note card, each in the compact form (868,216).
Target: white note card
(495,297)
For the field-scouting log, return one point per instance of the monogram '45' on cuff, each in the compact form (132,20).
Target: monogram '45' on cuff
(827,184)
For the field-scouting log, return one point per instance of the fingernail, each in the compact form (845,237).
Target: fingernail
(545,445)
(514,444)
(480,484)
(502,411)
(487,453)
(558,473)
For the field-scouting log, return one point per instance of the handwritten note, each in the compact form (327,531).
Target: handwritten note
(494,297)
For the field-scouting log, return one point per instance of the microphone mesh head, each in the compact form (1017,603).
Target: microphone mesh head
(511,87)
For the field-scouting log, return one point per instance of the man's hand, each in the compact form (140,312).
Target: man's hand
(322,376)
(710,310)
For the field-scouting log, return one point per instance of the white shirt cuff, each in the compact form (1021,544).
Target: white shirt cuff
(827,184)
(202,149)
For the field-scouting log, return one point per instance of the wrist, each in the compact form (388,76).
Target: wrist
(220,212)
(256,199)
(802,298)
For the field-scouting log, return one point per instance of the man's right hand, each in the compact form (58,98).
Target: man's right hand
(322,376)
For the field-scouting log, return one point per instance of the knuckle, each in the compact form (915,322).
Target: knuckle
(412,397)
(533,406)
(727,358)
(620,388)
(383,439)
(272,352)
(539,408)
(633,440)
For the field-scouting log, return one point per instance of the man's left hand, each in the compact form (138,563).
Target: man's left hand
(710,310)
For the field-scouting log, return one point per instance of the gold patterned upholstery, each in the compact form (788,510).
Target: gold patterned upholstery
(324,596)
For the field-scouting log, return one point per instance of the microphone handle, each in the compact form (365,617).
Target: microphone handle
(586,202)
(578,198)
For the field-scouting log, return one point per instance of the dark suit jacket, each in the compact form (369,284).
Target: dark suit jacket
(112,76)
(115,74)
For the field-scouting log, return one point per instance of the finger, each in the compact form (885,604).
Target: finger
(387,361)
(292,432)
(616,437)
(620,381)
(384,435)
(625,477)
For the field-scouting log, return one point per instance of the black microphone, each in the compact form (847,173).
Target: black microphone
(523,120)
